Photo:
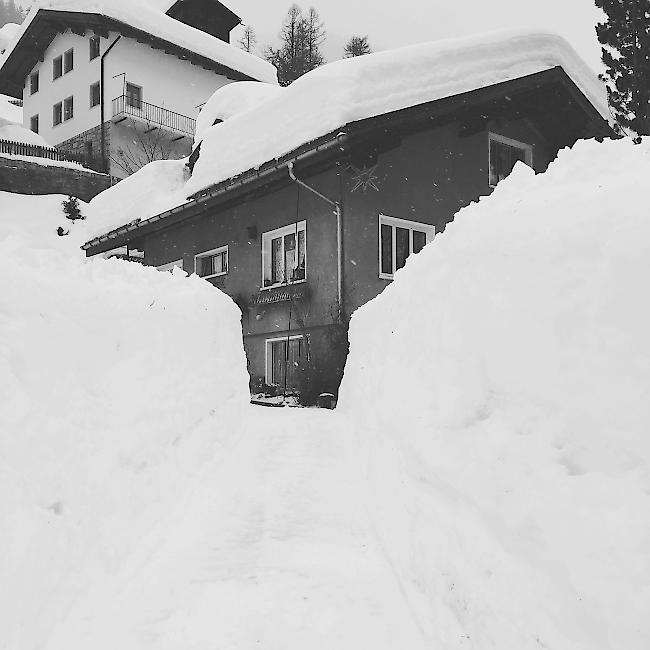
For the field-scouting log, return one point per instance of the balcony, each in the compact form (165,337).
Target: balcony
(156,116)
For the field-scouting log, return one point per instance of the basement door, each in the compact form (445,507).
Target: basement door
(283,357)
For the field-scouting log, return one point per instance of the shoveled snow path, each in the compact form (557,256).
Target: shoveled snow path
(273,545)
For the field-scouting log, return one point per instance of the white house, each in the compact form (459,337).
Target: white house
(123,84)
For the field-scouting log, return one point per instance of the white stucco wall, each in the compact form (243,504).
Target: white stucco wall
(166,81)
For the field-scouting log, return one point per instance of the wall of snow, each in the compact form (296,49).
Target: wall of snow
(117,384)
(500,388)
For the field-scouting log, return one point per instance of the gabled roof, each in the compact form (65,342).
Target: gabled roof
(144,20)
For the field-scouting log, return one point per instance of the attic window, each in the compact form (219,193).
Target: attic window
(504,154)
(57,67)
(68,61)
(94,47)
(33,83)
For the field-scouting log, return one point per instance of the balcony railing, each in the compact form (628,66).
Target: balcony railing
(155,115)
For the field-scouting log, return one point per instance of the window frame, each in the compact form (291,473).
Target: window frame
(92,55)
(54,114)
(170,266)
(34,76)
(57,66)
(34,119)
(128,96)
(268,359)
(211,253)
(68,56)
(527,148)
(66,117)
(282,232)
(394,222)
(99,94)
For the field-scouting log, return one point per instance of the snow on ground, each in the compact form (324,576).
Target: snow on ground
(149,16)
(341,92)
(484,483)
(10,113)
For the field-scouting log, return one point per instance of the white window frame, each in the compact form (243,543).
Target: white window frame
(267,237)
(170,266)
(394,222)
(211,253)
(495,137)
(267,354)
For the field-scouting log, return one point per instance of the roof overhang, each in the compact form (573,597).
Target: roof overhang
(47,23)
(368,137)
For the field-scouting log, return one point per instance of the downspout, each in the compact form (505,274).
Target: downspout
(102,112)
(339,234)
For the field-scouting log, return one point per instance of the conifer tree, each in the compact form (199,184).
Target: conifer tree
(248,40)
(301,37)
(71,208)
(625,37)
(356,46)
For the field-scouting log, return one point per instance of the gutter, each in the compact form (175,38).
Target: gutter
(339,233)
(337,141)
(101,103)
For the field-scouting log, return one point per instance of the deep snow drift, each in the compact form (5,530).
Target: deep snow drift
(484,484)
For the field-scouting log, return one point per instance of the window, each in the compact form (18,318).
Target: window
(33,123)
(57,114)
(33,83)
(95,95)
(171,266)
(68,108)
(212,264)
(57,67)
(68,61)
(397,240)
(284,255)
(133,95)
(284,357)
(503,155)
(94,47)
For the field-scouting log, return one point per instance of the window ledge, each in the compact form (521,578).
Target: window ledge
(386,276)
(282,284)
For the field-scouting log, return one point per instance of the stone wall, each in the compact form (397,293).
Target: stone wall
(89,145)
(24,177)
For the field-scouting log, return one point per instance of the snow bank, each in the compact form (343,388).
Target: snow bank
(117,384)
(10,112)
(149,16)
(233,99)
(500,387)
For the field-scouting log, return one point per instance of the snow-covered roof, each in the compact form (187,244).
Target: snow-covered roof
(353,89)
(7,34)
(9,112)
(347,91)
(149,16)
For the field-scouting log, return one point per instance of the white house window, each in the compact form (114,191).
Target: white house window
(284,357)
(95,95)
(212,264)
(94,47)
(398,239)
(133,95)
(68,61)
(57,114)
(33,123)
(504,153)
(284,255)
(68,108)
(33,83)
(57,67)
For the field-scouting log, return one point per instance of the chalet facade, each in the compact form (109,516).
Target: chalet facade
(304,240)
(121,93)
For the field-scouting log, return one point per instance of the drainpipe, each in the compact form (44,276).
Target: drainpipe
(101,103)
(339,234)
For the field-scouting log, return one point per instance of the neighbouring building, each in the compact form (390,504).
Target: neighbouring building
(121,84)
(352,169)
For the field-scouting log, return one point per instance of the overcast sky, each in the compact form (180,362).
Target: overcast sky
(392,24)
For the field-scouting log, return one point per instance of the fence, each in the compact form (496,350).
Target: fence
(36,151)
(130,105)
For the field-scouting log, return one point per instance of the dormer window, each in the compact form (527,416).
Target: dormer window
(68,61)
(94,47)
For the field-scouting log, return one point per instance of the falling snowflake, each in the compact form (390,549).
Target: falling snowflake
(364,178)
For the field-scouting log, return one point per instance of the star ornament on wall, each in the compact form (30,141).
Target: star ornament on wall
(364,178)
